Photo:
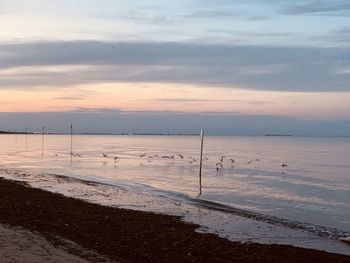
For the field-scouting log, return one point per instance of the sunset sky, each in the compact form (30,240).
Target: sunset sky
(266,66)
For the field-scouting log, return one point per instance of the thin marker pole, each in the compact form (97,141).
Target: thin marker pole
(201,163)
(42,142)
(71,141)
(26,137)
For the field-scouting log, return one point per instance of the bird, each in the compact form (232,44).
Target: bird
(284,165)
(257,160)
(74,154)
(192,160)
(219,166)
(143,155)
(222,158)
(116,159)
(56,154)
(180,155)
(104,155)
(232,160)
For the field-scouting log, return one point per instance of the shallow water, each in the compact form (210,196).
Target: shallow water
(311,194)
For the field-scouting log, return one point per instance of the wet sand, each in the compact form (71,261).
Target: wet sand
(131,236)
(20,245)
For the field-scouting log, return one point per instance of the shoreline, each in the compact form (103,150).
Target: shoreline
(134,236)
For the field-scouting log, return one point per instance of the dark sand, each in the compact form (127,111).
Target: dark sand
(133,236)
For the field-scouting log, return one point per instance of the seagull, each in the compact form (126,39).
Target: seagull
(257,160)
(232,160)
(73,154)
(219,166)
(181,156)
(205,158)
(56,154)
(143,155)
(222,158)
(284,165)
(105,155)
(193,160)
(250,162)
(116,159)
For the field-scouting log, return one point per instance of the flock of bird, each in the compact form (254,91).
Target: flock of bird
(219,165)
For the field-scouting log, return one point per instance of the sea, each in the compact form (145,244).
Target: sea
(267,189)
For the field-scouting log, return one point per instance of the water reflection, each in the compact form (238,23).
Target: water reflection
(314,187)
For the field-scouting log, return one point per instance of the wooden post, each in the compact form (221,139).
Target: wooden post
(71,138)
(26,137)
(71,142)
(42,142)
(201,163)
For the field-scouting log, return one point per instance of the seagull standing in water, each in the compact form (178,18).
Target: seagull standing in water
(219,166)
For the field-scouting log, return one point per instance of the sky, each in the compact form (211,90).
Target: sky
(232,67)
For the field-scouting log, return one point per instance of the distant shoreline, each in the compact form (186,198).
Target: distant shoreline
(96,133)
(278,135)
(169,134)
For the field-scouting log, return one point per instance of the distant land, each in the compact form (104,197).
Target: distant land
(278,135)
(93,133)
(15,132)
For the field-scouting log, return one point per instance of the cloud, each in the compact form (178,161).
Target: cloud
(205,101)
(60,64)
(70,98)
(341,35)
(215,14)
(143,16)
(319,8)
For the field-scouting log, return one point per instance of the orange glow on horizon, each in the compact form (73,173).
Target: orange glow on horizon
(175,97)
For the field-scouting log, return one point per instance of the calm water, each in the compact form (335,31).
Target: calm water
(314,187)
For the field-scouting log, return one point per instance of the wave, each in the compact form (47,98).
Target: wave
(321,231)
(326,232)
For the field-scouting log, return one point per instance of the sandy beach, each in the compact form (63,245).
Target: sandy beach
(21,245)
(118,234)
